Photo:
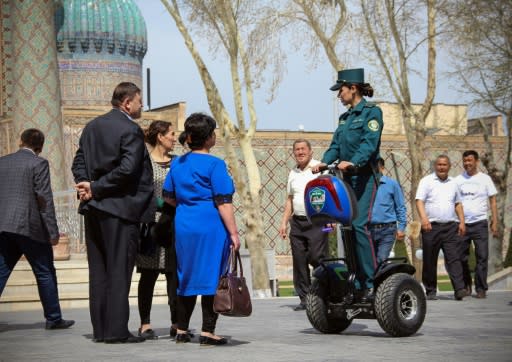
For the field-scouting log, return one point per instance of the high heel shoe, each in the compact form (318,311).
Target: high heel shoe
(208,341)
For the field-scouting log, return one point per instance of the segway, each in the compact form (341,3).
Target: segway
(333,301)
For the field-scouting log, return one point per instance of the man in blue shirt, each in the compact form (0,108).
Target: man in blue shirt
(388,211)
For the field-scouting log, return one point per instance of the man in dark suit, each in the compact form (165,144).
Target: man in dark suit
(27,222)
(114,179)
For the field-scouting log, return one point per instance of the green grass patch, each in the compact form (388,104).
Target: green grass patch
(286,288)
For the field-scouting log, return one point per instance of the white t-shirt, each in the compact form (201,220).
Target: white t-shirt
(475,192)
(297,180)
(439,197)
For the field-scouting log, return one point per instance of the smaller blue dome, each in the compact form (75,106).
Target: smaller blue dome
(99,26)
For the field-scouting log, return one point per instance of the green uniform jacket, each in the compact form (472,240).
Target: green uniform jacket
(357,138)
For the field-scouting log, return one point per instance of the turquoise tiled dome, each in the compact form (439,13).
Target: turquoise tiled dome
(98,26)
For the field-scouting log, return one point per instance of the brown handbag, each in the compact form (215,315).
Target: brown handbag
(232,297)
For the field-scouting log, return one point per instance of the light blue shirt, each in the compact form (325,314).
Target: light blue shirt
(389,204)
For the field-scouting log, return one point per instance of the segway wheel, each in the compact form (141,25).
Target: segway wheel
(400,305)
(318,313)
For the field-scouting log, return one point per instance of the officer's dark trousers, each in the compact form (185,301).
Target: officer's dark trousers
(309,246)
(477,232)
(365,189)
(442,236)
(111,249)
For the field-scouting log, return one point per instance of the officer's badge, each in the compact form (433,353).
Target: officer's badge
(373,125)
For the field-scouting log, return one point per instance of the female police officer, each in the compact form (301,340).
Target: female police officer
(355,144)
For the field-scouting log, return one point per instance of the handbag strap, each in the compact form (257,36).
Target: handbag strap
(234,261)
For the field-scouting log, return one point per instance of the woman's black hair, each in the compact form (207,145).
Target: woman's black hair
(198,128)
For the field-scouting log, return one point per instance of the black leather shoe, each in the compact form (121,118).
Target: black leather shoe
(301,306)
(148,334)
(62,324)
(432,296)
(130,339)
(208,341)
(173,332)
(182,338)
(98,340)
(368,296)
(460,294)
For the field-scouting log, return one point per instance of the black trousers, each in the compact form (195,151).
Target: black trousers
(40,256)
(186,306)
(309,246)
(477,232)
(442,236)
(146,288)
(111,249)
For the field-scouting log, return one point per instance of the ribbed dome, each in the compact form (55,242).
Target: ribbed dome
(99,26)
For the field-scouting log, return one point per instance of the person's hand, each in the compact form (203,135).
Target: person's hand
(282,231)
(462,229)
(84,190)
(494,229)
(400,235)
(54,241)
(425,225)
(235,242)
(345,165)
(316,169)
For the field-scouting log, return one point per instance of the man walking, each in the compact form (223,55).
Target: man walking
(440,211)
(389,215)
(308,242)
(27,222)
(476,189)
(114,180)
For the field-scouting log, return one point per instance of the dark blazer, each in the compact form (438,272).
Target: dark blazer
(112,155)
(26,199)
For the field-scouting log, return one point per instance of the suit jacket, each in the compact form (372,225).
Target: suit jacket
(26,206)
(112,155)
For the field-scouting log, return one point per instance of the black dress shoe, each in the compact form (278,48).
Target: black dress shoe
(61,324)
(208,341)
(368,296)
(98,340)
(182,338)
(148,334)
(432,296)
(174,331)
(301,306)
(130,339)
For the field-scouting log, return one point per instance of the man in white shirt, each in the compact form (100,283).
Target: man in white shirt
(476,188)
(442,218)
(308,242)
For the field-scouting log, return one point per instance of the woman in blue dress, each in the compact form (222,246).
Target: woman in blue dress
(199,185)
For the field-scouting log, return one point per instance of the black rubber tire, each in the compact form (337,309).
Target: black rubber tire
(400,305)
(317,312)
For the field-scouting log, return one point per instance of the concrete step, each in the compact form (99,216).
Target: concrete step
(21,291)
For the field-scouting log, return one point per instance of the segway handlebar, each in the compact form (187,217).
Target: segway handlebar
(333,166)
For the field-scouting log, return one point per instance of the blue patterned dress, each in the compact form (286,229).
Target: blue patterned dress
(198,181)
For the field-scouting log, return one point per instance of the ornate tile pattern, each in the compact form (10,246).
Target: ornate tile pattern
(35,77)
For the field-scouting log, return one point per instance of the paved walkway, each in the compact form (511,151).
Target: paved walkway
(470,330)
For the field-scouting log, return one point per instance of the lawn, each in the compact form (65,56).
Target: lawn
(286,286)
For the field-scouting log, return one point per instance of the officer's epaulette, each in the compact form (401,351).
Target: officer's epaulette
(370,104)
